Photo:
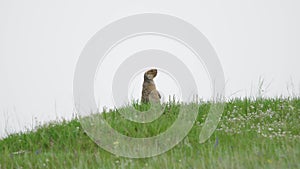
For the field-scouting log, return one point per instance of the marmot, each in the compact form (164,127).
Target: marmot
(149,92)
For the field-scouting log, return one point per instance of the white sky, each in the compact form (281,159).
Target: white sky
(40,42)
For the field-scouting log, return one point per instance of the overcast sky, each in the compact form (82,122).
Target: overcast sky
(40,42)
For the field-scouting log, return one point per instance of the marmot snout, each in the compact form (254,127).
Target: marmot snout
(149,89)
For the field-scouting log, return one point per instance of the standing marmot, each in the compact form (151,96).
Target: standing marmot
(149,90)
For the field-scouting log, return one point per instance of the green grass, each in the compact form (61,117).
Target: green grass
(261,133)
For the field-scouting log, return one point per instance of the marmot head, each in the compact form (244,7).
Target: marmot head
(150,74)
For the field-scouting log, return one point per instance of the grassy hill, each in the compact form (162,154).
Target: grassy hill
(261,133)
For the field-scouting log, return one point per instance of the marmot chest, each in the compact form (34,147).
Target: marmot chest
(149,85)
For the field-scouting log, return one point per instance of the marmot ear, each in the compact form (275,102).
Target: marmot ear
(154,72)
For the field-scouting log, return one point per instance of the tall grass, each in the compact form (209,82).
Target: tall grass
(261,133)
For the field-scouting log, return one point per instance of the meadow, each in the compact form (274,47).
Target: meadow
(252,133)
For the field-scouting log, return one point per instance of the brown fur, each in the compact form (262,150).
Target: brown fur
(149,91)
